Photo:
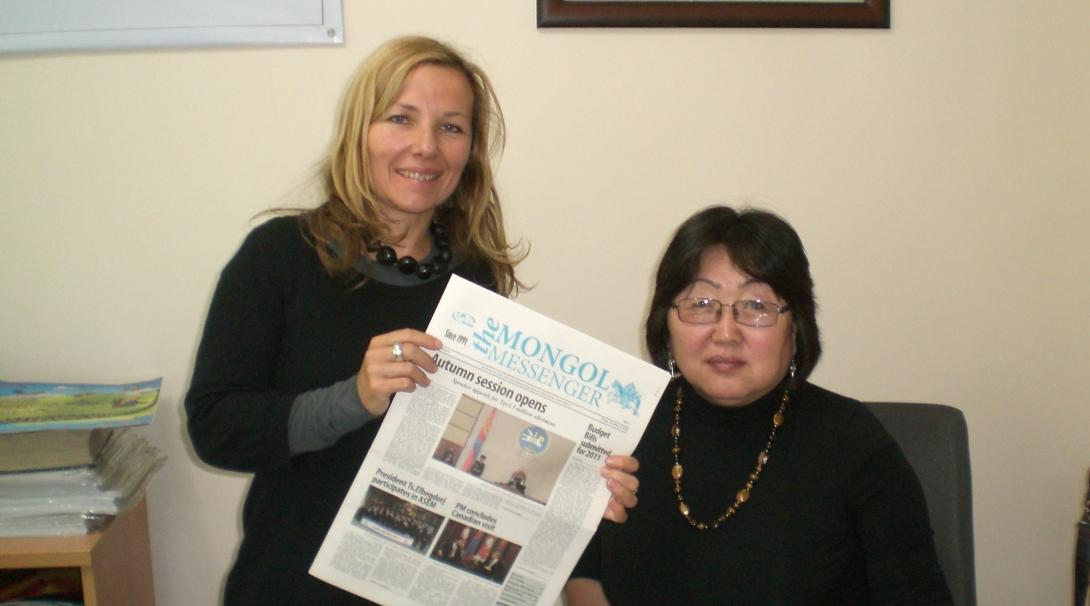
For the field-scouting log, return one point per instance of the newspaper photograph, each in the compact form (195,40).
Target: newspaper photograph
(484,487)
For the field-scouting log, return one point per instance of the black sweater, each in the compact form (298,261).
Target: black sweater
(836,517)
(278,326)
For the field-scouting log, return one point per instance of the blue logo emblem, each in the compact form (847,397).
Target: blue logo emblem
(463,318)
(626,397)
(533,440)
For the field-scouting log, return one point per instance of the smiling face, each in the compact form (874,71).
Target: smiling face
(418,148)
(727,363)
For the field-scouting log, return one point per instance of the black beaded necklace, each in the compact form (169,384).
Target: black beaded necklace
(386,255)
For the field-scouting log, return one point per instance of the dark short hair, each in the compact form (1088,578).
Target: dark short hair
(763,246)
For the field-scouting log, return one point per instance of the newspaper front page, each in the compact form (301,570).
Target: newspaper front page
(483,488)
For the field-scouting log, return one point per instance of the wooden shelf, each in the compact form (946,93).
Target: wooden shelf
(114,563)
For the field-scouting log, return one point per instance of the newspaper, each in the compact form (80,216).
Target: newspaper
(484,487)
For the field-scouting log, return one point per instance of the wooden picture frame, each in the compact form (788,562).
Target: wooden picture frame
(705,13)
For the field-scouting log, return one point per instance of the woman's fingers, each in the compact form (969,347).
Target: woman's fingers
(404,336)
(415,355)
(615,512)
(402,375)
(623,486)
(624,492)
(395,361)
(625,463)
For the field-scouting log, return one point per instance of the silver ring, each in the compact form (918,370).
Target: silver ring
(398,351)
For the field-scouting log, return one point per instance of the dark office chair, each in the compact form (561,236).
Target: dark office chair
(935,440)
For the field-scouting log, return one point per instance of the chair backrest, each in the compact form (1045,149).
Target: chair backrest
(935,440)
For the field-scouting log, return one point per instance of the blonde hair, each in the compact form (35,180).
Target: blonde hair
(343,226)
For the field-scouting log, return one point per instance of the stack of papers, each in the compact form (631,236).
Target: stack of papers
(68,461)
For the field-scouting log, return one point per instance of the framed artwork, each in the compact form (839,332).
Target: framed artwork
(713,13)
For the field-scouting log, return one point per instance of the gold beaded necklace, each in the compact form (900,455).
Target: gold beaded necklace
(742,495)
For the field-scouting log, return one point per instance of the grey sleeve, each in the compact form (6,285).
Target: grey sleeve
(320,417)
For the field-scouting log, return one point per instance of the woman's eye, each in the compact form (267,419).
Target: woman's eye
(453,129)
(398,119)
(755,305)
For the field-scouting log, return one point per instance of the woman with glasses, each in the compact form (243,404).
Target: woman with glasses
(756,486)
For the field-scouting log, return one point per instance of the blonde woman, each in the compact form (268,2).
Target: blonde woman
(318,319)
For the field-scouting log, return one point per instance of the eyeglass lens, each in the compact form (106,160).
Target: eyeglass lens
(747,312)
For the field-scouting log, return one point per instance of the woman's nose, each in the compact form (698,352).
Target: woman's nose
(726,327)
(426,142)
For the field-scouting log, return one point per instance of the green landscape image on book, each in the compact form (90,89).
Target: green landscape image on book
(47,406)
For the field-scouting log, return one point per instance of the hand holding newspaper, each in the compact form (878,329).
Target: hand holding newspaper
(484,487)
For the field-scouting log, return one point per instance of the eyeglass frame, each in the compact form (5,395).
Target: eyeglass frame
(780,309)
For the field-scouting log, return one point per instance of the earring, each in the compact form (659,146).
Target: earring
(791,369)
(672,367)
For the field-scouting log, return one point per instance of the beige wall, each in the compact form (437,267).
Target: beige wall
(938,172)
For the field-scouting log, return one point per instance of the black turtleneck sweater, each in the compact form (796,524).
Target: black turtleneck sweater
(836,517)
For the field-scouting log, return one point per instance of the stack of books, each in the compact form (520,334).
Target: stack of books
(69,459)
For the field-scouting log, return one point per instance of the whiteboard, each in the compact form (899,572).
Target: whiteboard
(52,25)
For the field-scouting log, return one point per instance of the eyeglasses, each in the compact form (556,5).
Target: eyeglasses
(702,310)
